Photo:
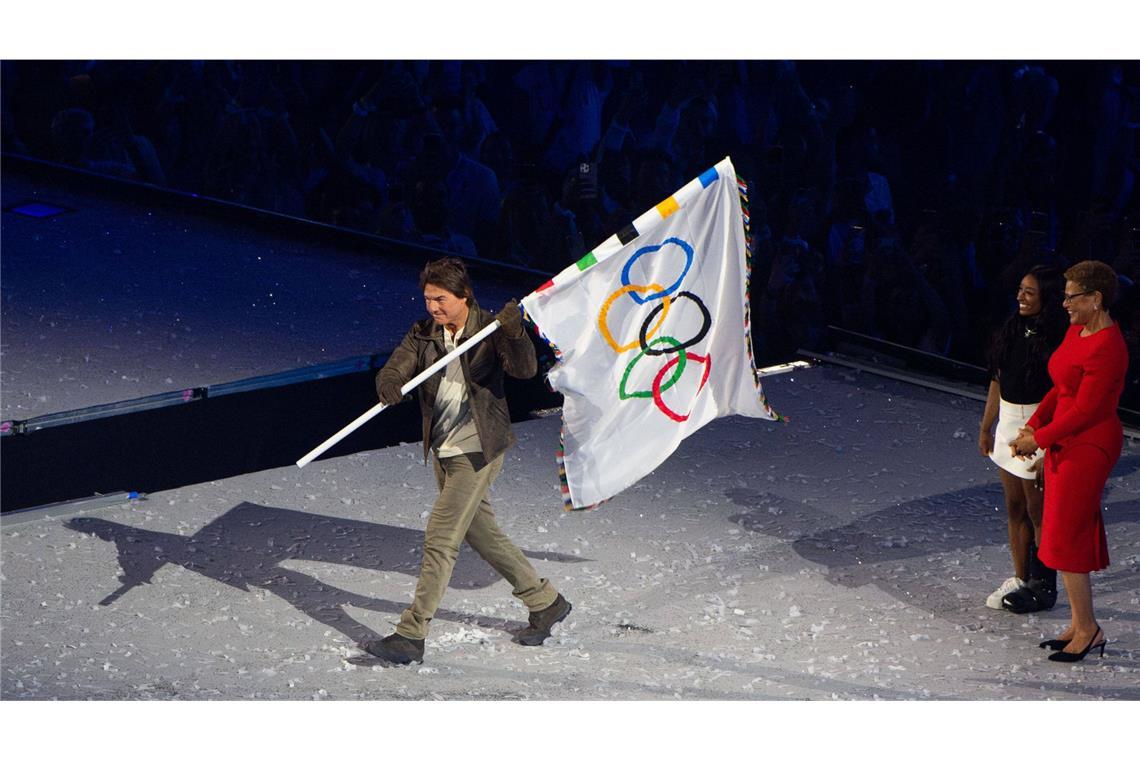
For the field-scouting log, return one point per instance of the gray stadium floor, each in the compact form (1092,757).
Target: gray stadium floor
(845,555)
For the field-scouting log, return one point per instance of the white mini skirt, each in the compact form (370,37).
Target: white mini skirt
(1011,418)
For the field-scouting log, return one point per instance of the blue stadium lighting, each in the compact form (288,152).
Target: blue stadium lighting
(37,210)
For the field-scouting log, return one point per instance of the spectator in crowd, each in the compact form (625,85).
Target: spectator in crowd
(845,257)
(73,134)
(906,309)
(245,167)
(534,230)
(561,106)
(430,228)
(498,155)
(792,310)
(473,189)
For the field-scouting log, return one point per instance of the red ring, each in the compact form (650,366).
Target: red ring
(660,402)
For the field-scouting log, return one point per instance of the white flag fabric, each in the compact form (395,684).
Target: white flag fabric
(651,333)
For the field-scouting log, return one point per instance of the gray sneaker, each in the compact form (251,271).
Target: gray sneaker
(541,622)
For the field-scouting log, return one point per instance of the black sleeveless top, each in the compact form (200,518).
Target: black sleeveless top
(1021,370)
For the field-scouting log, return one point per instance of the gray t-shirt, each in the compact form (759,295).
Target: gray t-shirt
(452,426)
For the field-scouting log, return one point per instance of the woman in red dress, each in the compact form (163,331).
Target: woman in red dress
(1077,426)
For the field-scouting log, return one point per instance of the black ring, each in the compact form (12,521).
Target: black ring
(674,349)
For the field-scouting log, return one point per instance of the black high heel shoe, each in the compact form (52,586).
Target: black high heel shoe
(1063,656)
(1055,644)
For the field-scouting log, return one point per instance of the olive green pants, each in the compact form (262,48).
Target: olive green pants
(462,512)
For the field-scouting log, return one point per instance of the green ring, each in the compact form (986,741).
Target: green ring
(677,371)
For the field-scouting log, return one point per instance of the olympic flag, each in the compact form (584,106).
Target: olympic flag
(651,333)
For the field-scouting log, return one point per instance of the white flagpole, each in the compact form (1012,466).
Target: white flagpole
(779,369)
(442,362)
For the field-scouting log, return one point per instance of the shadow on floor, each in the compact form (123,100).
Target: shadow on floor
(245,547)
(898,548)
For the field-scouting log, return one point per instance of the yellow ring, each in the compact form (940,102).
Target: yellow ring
(642,289)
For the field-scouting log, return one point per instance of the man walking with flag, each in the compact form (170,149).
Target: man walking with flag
(467,426)
(651,331)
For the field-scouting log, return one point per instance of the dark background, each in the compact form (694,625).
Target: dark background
(899,199)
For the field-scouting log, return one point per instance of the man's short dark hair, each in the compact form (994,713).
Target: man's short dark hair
(449,274)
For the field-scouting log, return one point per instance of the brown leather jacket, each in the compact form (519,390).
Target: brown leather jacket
(483,368)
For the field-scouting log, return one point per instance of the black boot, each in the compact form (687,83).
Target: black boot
(1039,592)
(1048,593)
(540,623)
(397,649)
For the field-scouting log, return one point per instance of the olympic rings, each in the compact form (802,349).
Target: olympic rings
(623,394)
(705,325)
(652,324)
(658,387)
(604,313)
(688,249)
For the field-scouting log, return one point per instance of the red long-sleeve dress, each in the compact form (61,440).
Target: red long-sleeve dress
(1077,425)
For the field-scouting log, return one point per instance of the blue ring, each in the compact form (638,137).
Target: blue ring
(688,249)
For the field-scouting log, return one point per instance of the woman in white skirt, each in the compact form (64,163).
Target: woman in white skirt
(1018,381)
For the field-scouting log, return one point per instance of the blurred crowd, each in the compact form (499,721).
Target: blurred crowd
(900,199)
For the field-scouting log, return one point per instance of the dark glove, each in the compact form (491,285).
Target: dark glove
(510,319)
(390,394)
